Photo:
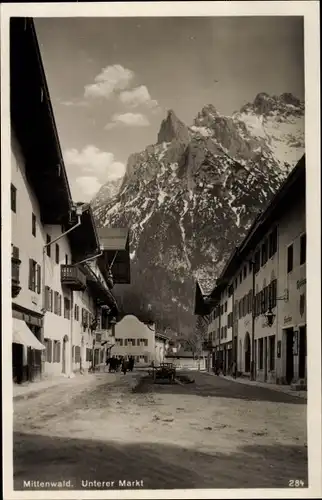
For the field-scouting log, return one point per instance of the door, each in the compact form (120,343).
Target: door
(247,352)
(302,353)
(265,359)
(64,356)
(17,363)
(289,355)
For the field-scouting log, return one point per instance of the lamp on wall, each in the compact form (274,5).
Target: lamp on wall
(270,316)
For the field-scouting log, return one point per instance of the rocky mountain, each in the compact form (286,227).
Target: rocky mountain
(107,192)
(189,198)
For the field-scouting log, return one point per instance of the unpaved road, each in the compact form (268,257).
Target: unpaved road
(211,434)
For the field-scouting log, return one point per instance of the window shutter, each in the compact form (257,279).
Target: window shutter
(38,278)
(50,300)
(49,352)
(30,273)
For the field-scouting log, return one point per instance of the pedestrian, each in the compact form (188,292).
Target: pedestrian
(107,361)
(131,363)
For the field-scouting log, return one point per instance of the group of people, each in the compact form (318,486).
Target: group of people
(115,363)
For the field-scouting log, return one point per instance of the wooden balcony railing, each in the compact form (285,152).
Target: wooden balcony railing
(72,277)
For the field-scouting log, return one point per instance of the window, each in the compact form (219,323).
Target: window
(57,253)
(137,342)
(236,283)
(261,353)
(240,277)
(222,332)
(245,271)
(77,354)
(225,306)
(59,305)
(272,353)
(250,301)
(302,249)
(250,266)
(230,290)
(76,312)
(290,258)
(125,342)
(56,353)
(240,308)
(48,351)
(66,259)
(272,243)
(264,253)
(13,198)
(88,354)
(66,308)
(273,295)
(56,302)
(257,261)
(121,342)
(48,248)
(49,299)
(33,224)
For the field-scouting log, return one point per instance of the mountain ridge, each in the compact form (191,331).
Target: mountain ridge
(192,195)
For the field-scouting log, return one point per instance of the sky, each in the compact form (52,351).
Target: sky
(112,80)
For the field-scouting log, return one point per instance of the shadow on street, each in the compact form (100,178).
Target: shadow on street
(217,387)
(160,466)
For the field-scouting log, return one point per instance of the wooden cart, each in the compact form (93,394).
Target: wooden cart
(166,371)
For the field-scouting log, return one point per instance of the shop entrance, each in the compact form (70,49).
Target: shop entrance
(302,352)
(247,352)
(289,334)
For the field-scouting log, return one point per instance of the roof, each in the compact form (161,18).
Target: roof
(101,292)
(292,189)
(116,253)
(113,238)
(161,336)
(181,354)
(202,305)
(33,122)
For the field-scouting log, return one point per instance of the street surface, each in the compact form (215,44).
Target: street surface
(211,434)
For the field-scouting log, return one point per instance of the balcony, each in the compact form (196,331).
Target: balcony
(15,283)
(72,277)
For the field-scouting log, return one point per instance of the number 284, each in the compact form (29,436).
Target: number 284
(296,483)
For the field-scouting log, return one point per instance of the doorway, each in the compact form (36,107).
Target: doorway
(17,363)
(302,352)
(247,352)
(289,333)
(64,355)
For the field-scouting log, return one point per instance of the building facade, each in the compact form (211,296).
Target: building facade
(134,338)
(264,287)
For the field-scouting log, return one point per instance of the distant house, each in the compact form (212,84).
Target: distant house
(134,338)
(161,347)
(186,360)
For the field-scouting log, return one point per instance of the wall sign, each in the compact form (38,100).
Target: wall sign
(302,304)
(300,283)
(287,319)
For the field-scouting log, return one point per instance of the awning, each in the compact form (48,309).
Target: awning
(21,334)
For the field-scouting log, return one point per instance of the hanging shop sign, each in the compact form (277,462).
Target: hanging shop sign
(300,283)
(287,319)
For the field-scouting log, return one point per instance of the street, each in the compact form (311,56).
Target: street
(214,433)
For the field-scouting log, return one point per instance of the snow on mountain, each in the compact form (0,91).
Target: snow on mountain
(106,192)
(190,198)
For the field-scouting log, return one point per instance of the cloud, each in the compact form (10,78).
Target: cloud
(137,96)
(88,186)
(90,168)
(111,79)
(92,160)
(128,120)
